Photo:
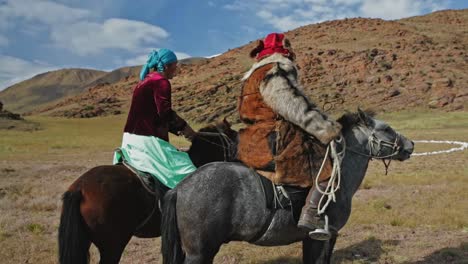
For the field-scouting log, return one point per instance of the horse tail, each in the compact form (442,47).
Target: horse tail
(72,235)
(171,246)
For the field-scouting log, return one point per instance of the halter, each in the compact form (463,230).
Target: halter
(376,145)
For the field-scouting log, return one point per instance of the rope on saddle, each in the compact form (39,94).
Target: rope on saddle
(328,194)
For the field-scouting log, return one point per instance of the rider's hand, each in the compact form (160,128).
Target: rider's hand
(188,132)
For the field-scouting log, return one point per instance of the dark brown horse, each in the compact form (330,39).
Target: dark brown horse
(108,205)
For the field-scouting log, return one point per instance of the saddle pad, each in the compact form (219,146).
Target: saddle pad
(150,182)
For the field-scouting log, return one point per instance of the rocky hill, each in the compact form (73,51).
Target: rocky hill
(419,62)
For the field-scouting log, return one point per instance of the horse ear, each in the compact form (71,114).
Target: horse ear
(362,115)
(257,49)
(287,45)
(226,123)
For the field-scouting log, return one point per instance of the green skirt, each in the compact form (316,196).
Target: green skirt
(157,157)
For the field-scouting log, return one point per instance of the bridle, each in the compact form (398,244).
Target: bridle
(376,147)
(226,143)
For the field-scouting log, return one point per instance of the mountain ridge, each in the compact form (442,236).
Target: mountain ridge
(417,62)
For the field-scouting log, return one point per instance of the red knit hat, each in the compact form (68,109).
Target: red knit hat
(273,43)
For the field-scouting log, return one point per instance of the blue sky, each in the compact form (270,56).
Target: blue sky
(43,35)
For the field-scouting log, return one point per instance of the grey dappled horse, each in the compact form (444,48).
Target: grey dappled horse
(224,202)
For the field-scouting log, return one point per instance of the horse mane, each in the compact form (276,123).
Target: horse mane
(214,127)
(352,119)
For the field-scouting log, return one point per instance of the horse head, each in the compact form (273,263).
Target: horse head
(215,142)
(374,138)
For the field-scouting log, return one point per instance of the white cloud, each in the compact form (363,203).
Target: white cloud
(238,6)
(41,11)
(282,23)
(3,41)
(79,30)
(316,1)
(14,70)
(213,56)
(139,60)
(182,55)
(394,9)
(347,2)
(85,38)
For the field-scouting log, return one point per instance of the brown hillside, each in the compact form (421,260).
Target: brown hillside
(418,62)
(46,87)
(115,76)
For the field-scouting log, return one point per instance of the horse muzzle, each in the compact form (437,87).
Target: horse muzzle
(406,150)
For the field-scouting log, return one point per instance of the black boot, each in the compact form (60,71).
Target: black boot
(310,221)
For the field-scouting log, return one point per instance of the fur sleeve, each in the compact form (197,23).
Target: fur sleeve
(282,93)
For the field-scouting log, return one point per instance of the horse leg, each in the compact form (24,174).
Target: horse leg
(193,244)
(112,252)
(312,250)
(201,242)
(329,250)
(202,253)
(198,259)
(315,251)
(109,229)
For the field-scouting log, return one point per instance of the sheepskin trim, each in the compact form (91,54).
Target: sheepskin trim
(285,63)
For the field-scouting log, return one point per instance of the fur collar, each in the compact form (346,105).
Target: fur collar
(285,64)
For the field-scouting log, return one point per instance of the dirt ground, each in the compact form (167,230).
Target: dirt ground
(30,204)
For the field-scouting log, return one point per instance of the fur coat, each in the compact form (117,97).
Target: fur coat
(285,132)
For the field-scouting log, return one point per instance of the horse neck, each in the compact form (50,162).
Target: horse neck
(354,166)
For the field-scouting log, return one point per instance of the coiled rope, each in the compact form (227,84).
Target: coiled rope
(334,181)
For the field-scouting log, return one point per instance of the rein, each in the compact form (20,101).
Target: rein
(226,142)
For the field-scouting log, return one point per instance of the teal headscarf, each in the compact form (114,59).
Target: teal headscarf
(157,60)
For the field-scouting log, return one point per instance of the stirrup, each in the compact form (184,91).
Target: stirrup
(321,234)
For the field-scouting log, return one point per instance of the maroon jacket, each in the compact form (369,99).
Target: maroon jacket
(151,113)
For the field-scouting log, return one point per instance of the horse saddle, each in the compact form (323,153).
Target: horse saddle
(283,196)
(151,184)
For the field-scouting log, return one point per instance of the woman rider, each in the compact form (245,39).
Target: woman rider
(145,143)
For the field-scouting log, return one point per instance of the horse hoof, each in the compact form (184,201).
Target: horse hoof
(320,234)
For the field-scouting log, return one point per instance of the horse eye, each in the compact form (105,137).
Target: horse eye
(387,129)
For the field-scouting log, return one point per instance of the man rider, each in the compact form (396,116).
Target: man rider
(282,123)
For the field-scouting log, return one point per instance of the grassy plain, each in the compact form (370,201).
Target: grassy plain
(418,213)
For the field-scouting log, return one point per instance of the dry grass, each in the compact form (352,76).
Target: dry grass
(416,214)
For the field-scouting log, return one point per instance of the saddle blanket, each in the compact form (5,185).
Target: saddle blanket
(283,196)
